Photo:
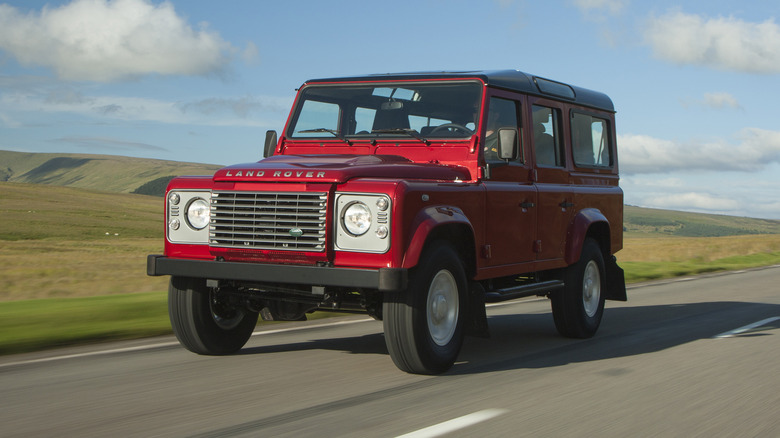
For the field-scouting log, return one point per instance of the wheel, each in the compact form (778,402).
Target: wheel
(578,308)
(203,322)
(451,127)
(424,324)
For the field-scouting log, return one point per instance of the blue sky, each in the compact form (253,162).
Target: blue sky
(696,84)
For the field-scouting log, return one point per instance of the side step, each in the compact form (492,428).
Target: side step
(522,291)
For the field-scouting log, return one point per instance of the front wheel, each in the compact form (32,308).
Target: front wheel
(578,308)
(203,321)
(424,324)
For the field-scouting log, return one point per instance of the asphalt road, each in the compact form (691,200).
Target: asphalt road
(666,363)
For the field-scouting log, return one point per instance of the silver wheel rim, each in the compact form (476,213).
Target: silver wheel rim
(591,288)
(224,321)
(442,308)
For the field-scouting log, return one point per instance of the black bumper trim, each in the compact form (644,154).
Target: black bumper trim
(383,279)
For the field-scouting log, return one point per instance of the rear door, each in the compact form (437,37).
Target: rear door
(551,175)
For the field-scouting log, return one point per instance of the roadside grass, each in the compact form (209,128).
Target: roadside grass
(30,325)
(33,325)
(655,258)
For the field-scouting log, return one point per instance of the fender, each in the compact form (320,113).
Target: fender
(424,224)
(578,230)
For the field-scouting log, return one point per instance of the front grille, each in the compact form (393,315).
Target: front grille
(276,221)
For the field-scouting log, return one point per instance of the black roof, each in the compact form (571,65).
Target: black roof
(514,80)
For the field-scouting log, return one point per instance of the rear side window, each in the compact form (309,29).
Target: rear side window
(590,141)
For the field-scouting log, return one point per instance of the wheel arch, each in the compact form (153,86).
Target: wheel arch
(588,223)
(445,223)
(591,223)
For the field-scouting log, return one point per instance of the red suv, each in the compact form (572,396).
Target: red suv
(415,198)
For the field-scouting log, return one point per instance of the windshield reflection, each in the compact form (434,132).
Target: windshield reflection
(412,110)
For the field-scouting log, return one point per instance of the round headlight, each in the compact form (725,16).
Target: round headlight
(357,218)
(198,213)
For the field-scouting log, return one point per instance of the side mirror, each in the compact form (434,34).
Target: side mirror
(507,143)
(270,143)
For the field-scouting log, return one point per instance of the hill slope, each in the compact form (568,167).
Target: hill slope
(638,221)
(96,172)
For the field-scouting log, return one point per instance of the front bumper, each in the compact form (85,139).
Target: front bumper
(382,279)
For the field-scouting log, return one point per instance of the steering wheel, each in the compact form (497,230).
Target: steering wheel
(453,126)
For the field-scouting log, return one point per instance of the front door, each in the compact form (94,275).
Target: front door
(510,222)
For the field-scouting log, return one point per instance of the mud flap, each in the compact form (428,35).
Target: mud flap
(476,322)
(616,281)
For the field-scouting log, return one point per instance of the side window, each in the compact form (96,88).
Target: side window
(547,141)
(590,141)
(502,113)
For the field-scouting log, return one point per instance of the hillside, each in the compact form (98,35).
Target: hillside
(639,221)
(96,172)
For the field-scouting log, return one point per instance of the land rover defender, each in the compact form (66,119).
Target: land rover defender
(415,198)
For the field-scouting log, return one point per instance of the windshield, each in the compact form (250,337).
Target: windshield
(412,110)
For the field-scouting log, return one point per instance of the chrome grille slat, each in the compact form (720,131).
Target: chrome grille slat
(264,220)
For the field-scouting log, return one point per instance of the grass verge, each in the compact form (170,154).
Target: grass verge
(32,325)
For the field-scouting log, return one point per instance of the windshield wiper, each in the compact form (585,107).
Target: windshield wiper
(407,131)
(331,131)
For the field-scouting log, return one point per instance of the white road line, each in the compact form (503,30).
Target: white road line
(172,344)
(307,327)
(455,424)
(743,329)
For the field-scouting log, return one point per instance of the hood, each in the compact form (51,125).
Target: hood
(338,169)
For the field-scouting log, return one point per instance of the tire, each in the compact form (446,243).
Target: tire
(578,308)
(203,324)
(424,324)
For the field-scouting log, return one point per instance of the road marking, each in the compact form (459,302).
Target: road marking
(455,424)
(313,326)
(172,344)
(743,329)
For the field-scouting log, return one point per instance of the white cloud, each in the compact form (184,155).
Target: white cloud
(725,43)
(611,6)
(67,101)
(693,201)
(107,143)
(754,150)
(720,100)
(103,40)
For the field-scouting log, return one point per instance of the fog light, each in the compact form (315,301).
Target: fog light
(174,224)
(381,232)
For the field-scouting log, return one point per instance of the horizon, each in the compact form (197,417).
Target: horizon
(60,154)
(201,82)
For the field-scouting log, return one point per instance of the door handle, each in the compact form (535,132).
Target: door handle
(527,204)
(566,204)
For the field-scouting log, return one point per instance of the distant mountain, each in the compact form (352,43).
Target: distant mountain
(97,172)
(638,221)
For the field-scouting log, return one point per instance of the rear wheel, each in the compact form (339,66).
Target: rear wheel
(424,324)
(578,308)
(203,321)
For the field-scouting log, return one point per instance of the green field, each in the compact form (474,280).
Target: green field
(74,260)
